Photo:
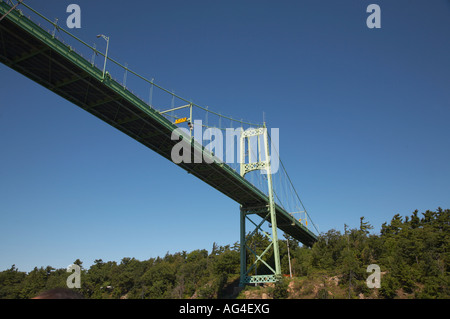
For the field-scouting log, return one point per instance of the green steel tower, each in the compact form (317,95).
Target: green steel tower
(268,210)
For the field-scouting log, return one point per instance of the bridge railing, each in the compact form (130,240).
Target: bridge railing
(156,96)
(190,115)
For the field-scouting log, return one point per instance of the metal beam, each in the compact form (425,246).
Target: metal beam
(176,108)
(29,55)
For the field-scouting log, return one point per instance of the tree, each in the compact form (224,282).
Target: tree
(11,282)
(34,283)
(412,251)
(364,226)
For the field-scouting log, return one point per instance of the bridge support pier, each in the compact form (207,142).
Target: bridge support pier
(274,270)
(267,213)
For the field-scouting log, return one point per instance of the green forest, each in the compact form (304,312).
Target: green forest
(413,253)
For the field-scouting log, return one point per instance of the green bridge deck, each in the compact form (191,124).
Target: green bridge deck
(33,52)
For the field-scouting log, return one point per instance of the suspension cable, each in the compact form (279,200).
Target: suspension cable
(290,181)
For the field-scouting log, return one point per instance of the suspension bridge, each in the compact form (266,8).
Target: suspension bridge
(30,48)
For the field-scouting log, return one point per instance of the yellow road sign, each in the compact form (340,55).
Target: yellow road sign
(181,120)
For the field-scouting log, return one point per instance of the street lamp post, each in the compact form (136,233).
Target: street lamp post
(106,54)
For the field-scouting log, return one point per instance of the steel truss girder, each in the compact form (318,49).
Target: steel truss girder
(258,279)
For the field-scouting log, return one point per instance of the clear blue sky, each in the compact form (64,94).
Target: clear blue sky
(363,115)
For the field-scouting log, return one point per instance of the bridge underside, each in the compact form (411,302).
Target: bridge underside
(33,52)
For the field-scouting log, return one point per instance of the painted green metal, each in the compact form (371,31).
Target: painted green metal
(268,210)
(245,277)
(35,53)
